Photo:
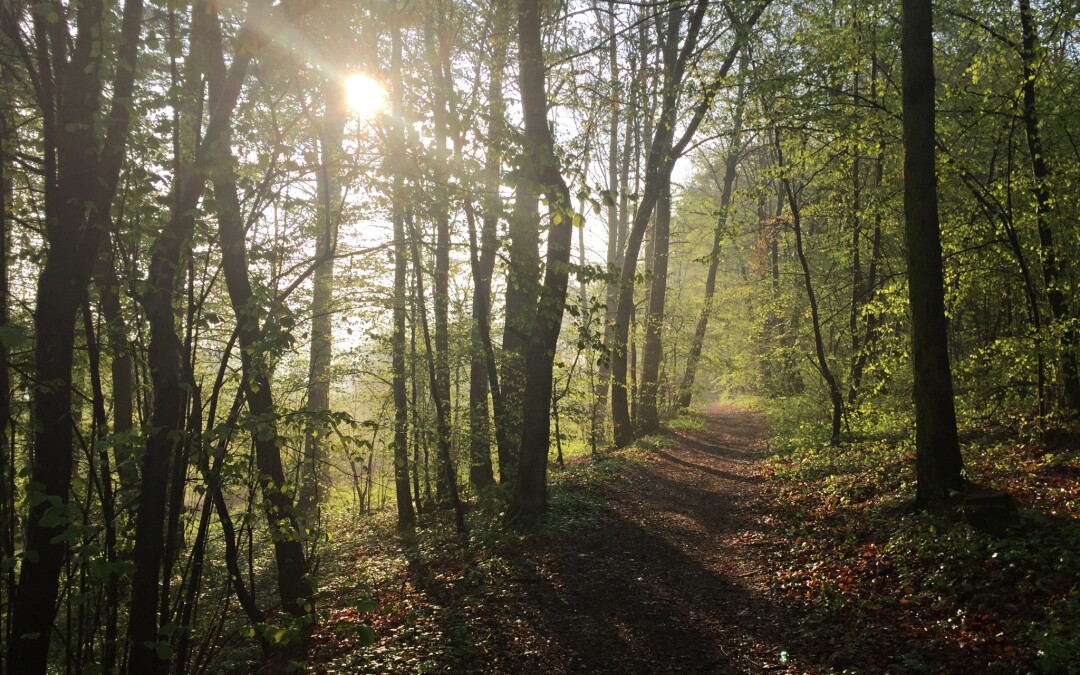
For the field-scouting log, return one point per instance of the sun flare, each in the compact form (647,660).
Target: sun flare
(365,96)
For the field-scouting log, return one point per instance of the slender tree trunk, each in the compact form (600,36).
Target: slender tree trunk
(1044,210)
(815,319)
(481,474)
(121,369)
(937,448)
(858,283)
(104,484)
(871,320)
(406,513)
(70,98)
(614,221)
(653,350)
(530,496)
(277,500)
(315,478)
(7,465)
(438,51)
(442,423)
(731,165)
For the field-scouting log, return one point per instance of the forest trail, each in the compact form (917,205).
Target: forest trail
(674,580)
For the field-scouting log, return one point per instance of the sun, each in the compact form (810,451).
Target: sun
(365,95)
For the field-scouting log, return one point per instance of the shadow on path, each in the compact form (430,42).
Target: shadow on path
(667,581)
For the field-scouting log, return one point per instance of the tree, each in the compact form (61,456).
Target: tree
(396,160)
(1044,208)
(659,163)
(731,165)
(70,71)
(530,496)
(937,446)
(649,416)
(315,480)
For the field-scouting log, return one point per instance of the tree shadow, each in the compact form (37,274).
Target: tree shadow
(726,475)
(619,598)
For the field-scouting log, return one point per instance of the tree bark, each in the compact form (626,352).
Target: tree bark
(653,350)
(616,223)
(438,53)
(8,523)
(442,423)
(277,502)
(530,496)
(406,513)
(70,96)
(482,258)
(731,165)
(522,281)
(315,479)
(1044,210)
(819,342)
(937,448)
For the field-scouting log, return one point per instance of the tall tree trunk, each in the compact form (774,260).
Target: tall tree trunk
(70,98)
(104,484)
(653,350)
(121,368)
(871,321)
(615,222)
(815,319)
(648,417)
(937,448)
(438,51)
(1044,209)
(482,257)
(731,165)
(315,478)
(7,465)
(277,501)
(406,513)
(442,413)
(530,495)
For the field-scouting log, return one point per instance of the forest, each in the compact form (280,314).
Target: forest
(628,336)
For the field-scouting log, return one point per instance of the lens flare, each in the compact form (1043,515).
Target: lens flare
(365,96)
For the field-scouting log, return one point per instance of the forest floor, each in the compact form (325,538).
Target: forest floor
(684,554)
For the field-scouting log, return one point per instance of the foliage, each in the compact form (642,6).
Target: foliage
(423,598)
(863,561)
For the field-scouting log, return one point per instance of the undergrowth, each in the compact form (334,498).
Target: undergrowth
(420,602)
(890,589)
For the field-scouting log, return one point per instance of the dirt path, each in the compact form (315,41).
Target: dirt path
(673,581)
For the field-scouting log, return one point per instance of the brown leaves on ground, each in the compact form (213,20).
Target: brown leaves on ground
(693,553)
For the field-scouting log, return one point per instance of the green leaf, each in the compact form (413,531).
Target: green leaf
(365,605)
(13,337)
(366,636)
